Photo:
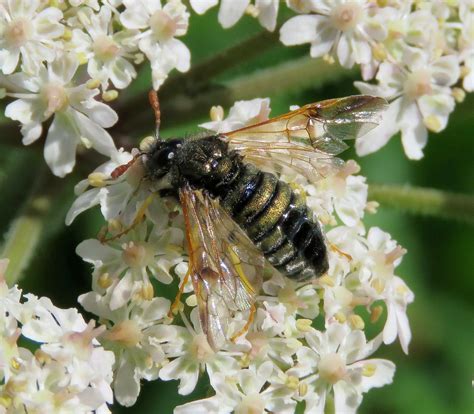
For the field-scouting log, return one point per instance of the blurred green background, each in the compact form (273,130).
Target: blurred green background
(435,377)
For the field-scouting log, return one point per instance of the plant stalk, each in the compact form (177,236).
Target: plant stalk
(425,201)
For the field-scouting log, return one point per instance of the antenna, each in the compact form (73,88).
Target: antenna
(155,105)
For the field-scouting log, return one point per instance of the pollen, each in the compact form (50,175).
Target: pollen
(433,123)
(146,143)
(356,322)
(110,95)
(303,325)
(93,83)
(376,313)
(104,280)
(458,94)
(292,382)
(369,370)
(147,292)
(97,179)
(216,113)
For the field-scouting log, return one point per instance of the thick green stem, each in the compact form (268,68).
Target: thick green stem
(21,241)
(425,201)
(296,75)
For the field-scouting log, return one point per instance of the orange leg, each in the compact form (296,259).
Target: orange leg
(244,330)
(334,248)
(136,221)
(177,300)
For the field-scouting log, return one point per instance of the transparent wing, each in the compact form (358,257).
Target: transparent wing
(226,268)
(307,139)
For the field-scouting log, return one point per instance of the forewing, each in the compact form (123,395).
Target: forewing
(226,268)
(307,139)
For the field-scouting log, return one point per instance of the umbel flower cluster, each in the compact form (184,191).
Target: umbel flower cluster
(307,342)
(66,61)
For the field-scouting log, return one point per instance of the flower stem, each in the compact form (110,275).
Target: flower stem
(180,108)
(425,201)
(22,240)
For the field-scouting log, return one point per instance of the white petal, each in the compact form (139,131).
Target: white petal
(202,6)
(344,51)
(98,112)
(346,398)
(9,60)
(122,292)
(268,12)
(205,406)
(136,15)
(390,328)
(300,29)
(64,68)
(380,135)
(95,252)
(126,384)
(20,110)
(231,11)
(414,132)
(446,70)
(383,375)
(437,107)
(31,132)
(325,38)
(403,327)
(122,73)
(61,143)
(84,202)
(181,54)
(47,23)
(100,139)
(361,51)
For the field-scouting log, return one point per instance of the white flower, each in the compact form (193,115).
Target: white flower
(244,392)
(342,27)
(133,336)
(421,99)
(334,363)
(78,117)
(29,30)
(123,267)
(159,28)
(190,354)
(106,52)
(69,371)
(241,114)
(231,11)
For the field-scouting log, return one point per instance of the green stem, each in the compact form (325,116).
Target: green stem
(296,75)
(25,232)
(425,201)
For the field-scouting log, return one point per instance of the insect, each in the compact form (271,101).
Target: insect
(238,213)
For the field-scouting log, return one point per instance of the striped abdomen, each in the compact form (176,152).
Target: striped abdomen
(277,221)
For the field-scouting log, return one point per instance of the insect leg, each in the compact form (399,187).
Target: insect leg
(177,300)
(136,221)
(246,327)
(336,249)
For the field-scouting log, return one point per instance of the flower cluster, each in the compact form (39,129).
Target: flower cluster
(307,341)
(56,60)
(421,54)
(67,372)
(417,51)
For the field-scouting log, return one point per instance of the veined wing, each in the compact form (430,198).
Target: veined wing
(226,268)
(307,139)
